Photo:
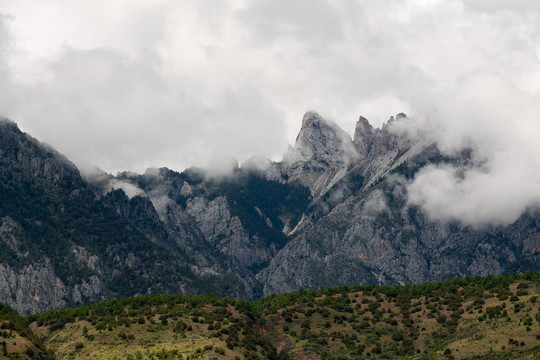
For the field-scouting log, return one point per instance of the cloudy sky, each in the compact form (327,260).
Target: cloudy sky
(130,84)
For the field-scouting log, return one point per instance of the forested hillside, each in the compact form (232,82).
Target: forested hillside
(62,244)
(487,318)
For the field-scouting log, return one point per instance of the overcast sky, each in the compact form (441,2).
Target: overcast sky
(130,84)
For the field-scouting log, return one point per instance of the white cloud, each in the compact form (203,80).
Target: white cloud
(133,84)
(501,124)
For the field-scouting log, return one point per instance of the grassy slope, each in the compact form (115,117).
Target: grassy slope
(17,341)
(488,318)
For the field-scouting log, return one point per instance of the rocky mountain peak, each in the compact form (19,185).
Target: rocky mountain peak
(364,137)
(321,155)
(373,142)
(310,116)
(312,120)
(362,127)
(323,141)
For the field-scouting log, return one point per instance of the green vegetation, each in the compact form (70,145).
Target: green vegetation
(17,340)
(55,216)
(61,215)
(471,318)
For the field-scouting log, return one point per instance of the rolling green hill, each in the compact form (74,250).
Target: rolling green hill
(471,318)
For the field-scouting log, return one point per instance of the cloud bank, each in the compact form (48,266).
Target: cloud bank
(502,125)
(129,85)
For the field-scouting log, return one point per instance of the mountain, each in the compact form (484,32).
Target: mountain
(62,244)
(333,212)
(354,225)
(360,228)
(471,318)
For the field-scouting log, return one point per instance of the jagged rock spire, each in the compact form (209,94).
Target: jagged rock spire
(363,137)
(323,141)
(370,141)
(322,153)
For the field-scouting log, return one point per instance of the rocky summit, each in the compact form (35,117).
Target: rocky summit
(334,211)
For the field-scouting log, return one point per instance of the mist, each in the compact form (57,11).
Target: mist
(501,124)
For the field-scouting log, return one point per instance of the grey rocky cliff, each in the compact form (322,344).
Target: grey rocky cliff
(320,157)
(35,288)
(382,150)
(225,232)
(91,288)
(202,233)
(372,235)
(84,258)
(371,143)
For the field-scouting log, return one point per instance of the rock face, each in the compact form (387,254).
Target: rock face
(378,239)
(24,289)
(371,143)
(229,226)
(333,212)
(36,288)
(225,232)
(322,143)
(321,156)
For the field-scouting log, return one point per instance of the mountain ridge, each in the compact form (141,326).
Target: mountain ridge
(335,211)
